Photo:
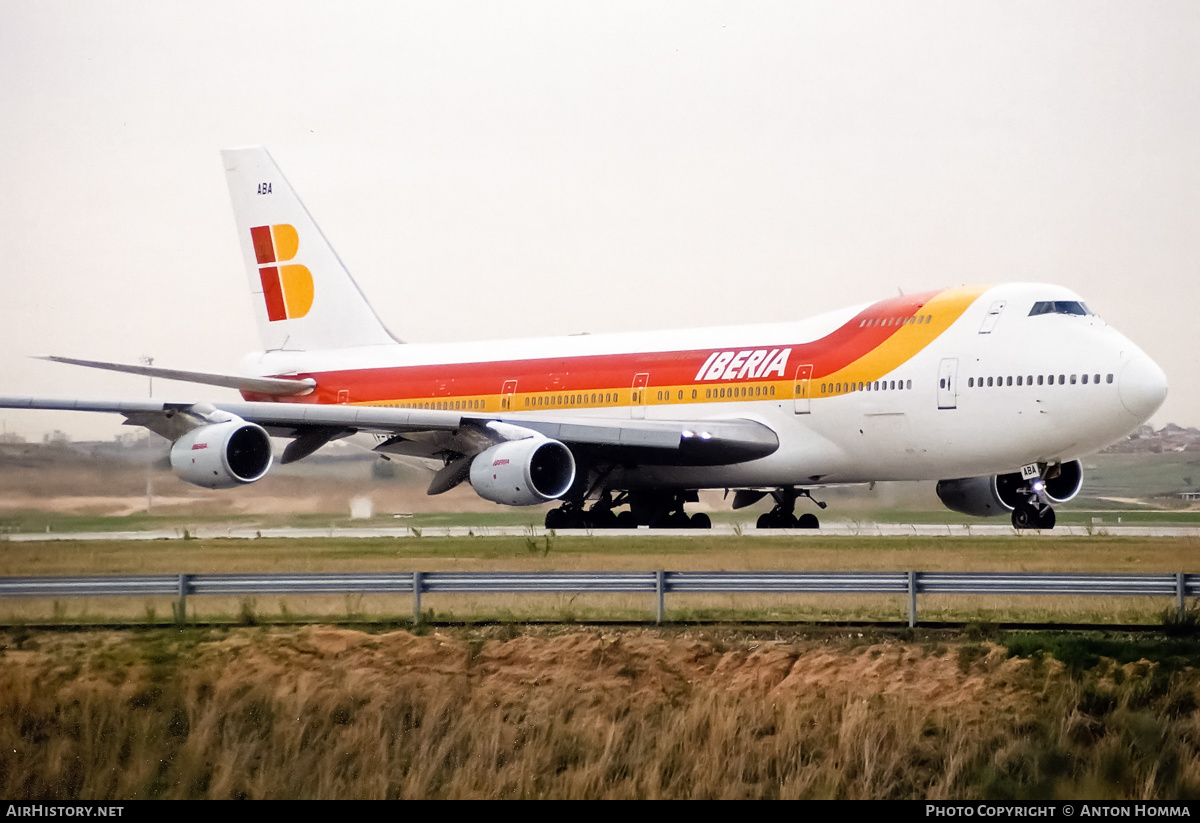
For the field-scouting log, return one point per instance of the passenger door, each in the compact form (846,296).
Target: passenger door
(637,400)
(948,383)
(800,389)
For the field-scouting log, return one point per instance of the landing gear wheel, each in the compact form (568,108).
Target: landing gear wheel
(1030,516)
(777,519)
(602,518)
(1046,518)
(1025,516)
(568,517)
(808,520)
(700,520)
(674,520)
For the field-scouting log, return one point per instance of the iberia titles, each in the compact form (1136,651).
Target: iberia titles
(750,364)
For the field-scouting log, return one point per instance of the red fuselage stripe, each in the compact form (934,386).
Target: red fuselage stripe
(591,373)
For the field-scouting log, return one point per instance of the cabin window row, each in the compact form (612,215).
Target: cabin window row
(724,392)
(871,322)
(570,399)
(440,405)
(1042,380)
(878,385)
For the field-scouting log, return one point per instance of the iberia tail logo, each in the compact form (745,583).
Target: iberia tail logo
(288,290)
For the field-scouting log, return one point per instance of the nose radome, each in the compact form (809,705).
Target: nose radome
(1143,387)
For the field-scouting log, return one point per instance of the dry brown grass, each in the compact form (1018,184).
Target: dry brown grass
(331,713)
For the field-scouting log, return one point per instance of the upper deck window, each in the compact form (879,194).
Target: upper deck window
(1059,307)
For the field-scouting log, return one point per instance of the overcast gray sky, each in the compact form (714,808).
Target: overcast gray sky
(487,168)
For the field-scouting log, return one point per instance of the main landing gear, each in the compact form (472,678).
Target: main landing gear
(783,515)
(658,510)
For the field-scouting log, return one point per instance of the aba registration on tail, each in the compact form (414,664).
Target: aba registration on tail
(995,391)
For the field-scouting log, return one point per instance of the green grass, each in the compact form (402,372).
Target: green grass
(36,522)
(701,551)
(1141,475)
(1083,652)
(641,552)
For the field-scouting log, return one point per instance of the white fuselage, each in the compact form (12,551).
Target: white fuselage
(991,389)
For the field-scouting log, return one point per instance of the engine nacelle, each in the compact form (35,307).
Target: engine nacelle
(1064,481)
(1000,494)
(523,472)
(222,455)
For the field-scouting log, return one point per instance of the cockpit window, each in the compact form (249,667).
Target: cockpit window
(1059,307)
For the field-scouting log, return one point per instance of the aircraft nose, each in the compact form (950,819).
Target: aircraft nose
(1142,386)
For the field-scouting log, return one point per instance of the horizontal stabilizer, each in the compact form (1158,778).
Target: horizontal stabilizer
(278,386)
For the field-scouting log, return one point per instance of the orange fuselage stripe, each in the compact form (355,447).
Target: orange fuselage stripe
(874,343)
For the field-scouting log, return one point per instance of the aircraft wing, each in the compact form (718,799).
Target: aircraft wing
(281,386)
(446,434)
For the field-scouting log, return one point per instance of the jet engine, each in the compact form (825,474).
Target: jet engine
(1000,494)
(222,455)
(523,472)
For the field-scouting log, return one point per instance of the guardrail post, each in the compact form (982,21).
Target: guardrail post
(417,598)
(912,599)
(181,613)
(659,589)
(1180,593)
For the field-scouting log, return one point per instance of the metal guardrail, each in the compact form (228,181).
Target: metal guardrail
(1180,586)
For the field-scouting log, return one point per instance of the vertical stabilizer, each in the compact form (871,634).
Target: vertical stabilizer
(304,299)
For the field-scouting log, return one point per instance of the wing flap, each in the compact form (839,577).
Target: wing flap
(665,442)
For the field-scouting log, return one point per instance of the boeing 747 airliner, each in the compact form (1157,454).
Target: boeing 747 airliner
(996,392)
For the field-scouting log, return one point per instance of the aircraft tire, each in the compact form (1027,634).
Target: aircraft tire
(1025,516)
(1046,518)
(674,520)
(700,520)
(777,520)
(808,520)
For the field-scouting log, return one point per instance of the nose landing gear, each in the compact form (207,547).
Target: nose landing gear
(1034,513)
(1034,510)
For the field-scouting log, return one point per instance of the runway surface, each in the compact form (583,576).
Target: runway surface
(727,530)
